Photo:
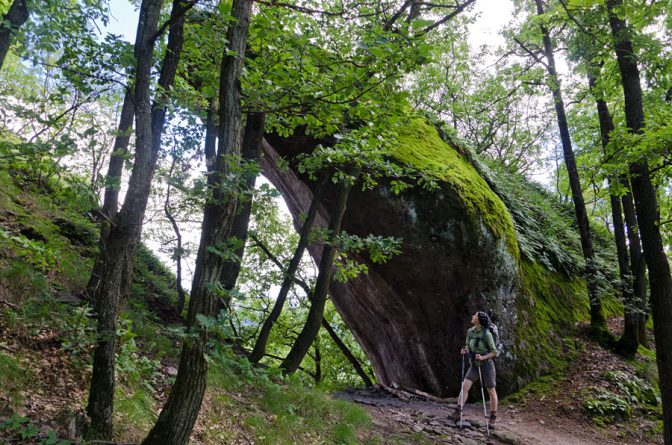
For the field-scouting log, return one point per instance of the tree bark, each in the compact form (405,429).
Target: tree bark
(120,246)
(629,341)
(251,153)
(318,361)
(347,353)
(312,326)
(260,345)
(122,231)
(178,249)
(15,18)
(648,216)
(637,260)
(179,414)
(113,183)
(211,134)
(597,321)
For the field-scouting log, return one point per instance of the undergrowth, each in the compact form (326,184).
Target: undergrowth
(276,410)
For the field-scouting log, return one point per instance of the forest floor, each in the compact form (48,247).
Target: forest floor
(553,416)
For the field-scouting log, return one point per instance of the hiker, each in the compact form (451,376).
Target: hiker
(481,349)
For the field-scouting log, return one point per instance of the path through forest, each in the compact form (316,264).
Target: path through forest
(416,420)
(551,416)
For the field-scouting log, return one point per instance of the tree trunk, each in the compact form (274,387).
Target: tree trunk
(334,336)
(122,232)
(211,134)
(312,326)
(318,361)
(113,184)
(251,153)
(347,353)
(121,244)
(629,341)
(597,321)
(648,216)
(119,152)
(260,345)
(637,261)
(179,414)
(178,250)
(15,18)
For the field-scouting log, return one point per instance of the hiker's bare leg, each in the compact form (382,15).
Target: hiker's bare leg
(493,399)
(464,394)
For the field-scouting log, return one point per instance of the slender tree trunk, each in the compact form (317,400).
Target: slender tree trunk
(347,353)
(124,236)
(637,261)
(251,153)
(260,345)
(178,249)
(629,341)
(648,216)
(122,232)
(179,414)
(597,321)
(113,184)
(334,336)
(312,326)
(15,18)
(318,361)
(211,133)
(119,152)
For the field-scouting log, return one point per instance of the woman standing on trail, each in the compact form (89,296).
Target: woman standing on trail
(481,349)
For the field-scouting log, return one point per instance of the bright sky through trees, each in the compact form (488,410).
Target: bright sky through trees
(492,16)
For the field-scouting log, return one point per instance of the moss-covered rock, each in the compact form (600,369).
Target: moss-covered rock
(481,240)
(420,145)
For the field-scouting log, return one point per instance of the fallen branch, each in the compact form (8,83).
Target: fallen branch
(431,397)
(7,303)
(403,395)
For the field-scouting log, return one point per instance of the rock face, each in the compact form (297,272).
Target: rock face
(459,255)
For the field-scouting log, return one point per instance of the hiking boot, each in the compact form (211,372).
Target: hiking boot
(456,414)
(493,419)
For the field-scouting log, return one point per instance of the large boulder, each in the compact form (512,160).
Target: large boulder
(460,253)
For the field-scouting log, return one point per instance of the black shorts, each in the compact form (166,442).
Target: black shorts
(487,371)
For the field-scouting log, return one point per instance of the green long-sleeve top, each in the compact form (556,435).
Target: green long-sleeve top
(475,343)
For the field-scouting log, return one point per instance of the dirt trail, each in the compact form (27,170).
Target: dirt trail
(417,420)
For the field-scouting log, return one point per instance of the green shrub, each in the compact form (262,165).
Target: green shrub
(606,407)
(630,393)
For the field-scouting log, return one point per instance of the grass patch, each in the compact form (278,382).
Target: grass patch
(280,412)
(13,378)
(134,413)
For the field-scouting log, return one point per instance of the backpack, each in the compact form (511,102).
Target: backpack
(494,330)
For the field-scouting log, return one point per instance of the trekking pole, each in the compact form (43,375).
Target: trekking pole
(485,412)
(459,401)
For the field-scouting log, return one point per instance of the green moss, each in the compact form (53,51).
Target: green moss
(645,364)
(542,386)
(420,145)
(550,304)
